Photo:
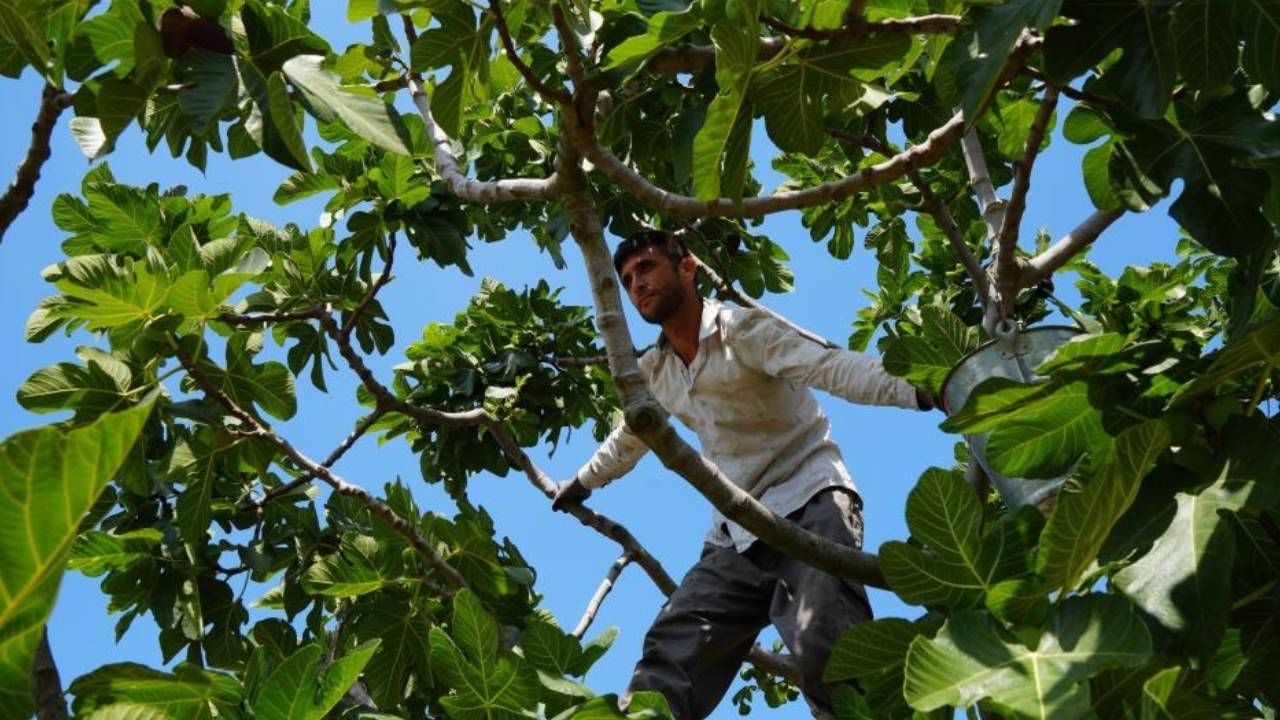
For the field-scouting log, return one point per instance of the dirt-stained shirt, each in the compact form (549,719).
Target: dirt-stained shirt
(746,395)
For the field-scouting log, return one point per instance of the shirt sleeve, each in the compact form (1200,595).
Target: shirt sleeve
(614,458)
(767,344)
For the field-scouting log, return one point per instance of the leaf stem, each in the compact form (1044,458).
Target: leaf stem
(1256,399)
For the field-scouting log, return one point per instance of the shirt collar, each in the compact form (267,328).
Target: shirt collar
(707,325)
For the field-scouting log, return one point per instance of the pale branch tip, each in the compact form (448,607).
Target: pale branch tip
(606,585)
(1006,240)
(1067,247)
(16,197)
(478,191)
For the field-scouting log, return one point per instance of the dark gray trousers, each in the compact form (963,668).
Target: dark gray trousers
(704,631)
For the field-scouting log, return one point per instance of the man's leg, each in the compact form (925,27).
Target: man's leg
(810,608)
(703,632)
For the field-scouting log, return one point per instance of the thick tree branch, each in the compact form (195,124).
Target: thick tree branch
(606,585)
(922,24)
(980,180)
(401,526)
(19,192)
(992,213)
(648,420)
(1070,245)
(1006,241)
(491,191)
(557,95)
(657,198)
(46,684)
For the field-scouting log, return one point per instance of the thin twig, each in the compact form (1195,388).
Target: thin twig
(361,428)
(934,205)
(922,24)
(729,292)
(558,95)
(1066,248)
(374,287)
(401,526)
(593,607)
(311,313)
(51,703)
(569,45)
(695,58)
(1073,93)
(410,32)
(1005,244)
(19,192)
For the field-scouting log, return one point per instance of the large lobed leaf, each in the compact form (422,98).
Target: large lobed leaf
(1084,516)
(961,562)
(368,117)
(485,684)
(299,689)
(1184,581)
(50,478)
(975,658)
(129,690)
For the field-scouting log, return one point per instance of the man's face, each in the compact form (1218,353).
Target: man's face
(654,283)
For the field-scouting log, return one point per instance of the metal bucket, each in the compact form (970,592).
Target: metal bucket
(1015,358)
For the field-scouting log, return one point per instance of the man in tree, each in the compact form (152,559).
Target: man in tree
(739,378)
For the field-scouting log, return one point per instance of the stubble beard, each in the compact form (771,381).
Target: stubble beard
(666,305)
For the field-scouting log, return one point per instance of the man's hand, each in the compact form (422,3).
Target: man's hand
(570,492)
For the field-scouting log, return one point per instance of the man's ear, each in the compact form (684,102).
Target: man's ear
(688,266)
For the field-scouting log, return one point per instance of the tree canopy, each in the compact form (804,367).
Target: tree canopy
(1145,587)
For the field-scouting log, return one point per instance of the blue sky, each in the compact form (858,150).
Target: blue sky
(885,449)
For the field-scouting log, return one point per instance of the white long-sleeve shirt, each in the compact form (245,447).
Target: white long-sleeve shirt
(746,395)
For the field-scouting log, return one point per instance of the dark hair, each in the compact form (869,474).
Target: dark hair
(648,237)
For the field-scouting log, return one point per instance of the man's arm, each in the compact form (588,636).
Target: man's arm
(614,458)
(767,344)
